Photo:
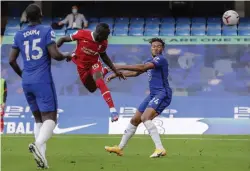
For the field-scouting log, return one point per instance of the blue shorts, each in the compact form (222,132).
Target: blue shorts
(41,97)
(158,102)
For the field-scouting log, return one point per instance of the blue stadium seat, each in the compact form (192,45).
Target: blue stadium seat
(198,26)
(92,26)
(244,27)
(167,32)
(136,32)
(137,21)
(57,19)
(13,25)
(167,25)
(93,20)
(214,20)
(198,32)
(119,26)
(151,33)
(213,32)
(182,33)
(152,27)
(244,32)
(70,31)
(122,20)
(169,20)
(152,21)
(183,20)
(229,33)
(225,27)
(60,32)
(120,33)
(180,26)
(136,26)
(214,26)
(11,31)
(47,21)
(245,20)
(106,20)
(199,20)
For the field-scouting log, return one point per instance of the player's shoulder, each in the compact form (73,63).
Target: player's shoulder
(160,58)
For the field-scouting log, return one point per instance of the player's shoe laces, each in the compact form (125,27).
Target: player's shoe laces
(158,153)
(114,149)
(114,116)
(41,162)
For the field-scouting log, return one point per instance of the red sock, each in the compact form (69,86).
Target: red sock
(105,92)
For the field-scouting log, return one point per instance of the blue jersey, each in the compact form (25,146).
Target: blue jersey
(158,77)
(32,42)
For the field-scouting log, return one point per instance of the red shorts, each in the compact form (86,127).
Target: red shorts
(89,71)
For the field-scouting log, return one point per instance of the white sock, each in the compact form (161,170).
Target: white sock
(128,133)
(153,132)
(37,128)
(112,109)
(46,132)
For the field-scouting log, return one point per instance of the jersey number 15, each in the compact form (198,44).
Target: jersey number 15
(34,48)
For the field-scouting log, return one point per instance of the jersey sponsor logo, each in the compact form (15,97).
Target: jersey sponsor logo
(31,32)
(58,130)
(89,51)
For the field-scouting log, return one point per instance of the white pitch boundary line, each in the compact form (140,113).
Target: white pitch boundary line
(113,137)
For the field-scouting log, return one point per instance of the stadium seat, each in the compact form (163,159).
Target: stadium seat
(167,25)
(180,26)
(213,32)
(135,32)
(136,26)
(183,20)
(57,19)
(169,20)
(93,20)
(225,27)
(152,27)
(70,31)
(120,33)
(244,26)
(151,33)
(92,26)
(122,20)
(167,32)
(214,26)
(245,20)
(11,31)
(119,26)
(198,26)
(182,33)
(137,21)
(244,32)
(198,32)
(214,20)
(152,21)
(106,20)
(199,20)
(229,32)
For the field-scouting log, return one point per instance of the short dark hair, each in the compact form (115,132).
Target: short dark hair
(102,26)
(33,12)
(156,39)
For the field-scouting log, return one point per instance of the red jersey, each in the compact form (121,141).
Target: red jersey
(87,49)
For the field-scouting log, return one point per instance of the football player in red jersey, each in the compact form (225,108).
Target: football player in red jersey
(91,46)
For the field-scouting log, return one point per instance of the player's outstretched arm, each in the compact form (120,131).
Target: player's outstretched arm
(126,74)
(56,54)
(61,40)
(138,68)
(12,61)
(110,64)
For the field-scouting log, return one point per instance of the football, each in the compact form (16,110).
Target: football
(230,18)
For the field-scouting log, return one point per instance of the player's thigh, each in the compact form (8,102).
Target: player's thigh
(30,97)
(142,107)
(87,79)
(46,97)
(97,71)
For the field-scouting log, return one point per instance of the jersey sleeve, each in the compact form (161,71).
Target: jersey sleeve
(15,42)
(79,34)
(50,37)
(158,61)
(104,47)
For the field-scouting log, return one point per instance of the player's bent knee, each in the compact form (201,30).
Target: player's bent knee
(135,121)
(37,116)
(49,116)
(97,75)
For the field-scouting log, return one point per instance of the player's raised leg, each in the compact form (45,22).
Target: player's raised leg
(97,73)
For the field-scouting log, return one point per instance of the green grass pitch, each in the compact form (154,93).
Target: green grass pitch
(86,153)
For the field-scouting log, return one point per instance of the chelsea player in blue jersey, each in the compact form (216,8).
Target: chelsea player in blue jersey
(37,46)
(159,98)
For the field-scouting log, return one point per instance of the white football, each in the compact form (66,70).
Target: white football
(230,18)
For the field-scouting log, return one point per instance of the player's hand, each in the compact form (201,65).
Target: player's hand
(120,75)
(110,77)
